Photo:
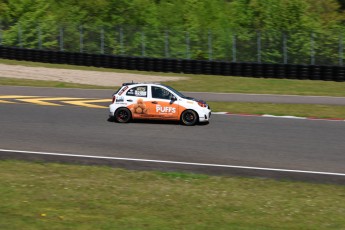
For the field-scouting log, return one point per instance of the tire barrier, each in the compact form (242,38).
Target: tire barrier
(258,70)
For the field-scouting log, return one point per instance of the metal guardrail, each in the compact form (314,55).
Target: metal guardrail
(281,71)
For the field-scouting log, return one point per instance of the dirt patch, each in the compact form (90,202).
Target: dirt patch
(78,76)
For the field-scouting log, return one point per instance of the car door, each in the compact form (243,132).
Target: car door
(163,104)
(137,100)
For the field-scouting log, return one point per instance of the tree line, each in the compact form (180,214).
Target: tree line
(272,31)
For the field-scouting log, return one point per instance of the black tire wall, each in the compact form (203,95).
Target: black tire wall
(279,71)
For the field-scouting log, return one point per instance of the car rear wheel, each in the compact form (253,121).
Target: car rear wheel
(123,115)
(189,117)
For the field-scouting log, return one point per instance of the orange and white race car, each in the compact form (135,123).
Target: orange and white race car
(156,101)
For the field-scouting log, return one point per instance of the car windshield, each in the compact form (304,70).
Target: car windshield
(176,92)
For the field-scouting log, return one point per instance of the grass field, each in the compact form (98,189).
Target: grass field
(58,196)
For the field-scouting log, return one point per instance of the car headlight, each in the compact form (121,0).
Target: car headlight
(201,104)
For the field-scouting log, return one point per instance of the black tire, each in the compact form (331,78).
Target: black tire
(189,117)
(123,115)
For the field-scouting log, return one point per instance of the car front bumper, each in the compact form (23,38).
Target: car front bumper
(205,115)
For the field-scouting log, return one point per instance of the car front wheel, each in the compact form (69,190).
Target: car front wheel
(123,115)
(189,117)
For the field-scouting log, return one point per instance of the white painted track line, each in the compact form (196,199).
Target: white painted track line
(175,162)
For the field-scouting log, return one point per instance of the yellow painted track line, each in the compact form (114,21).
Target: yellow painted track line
(43,101)
(85,103)
(8,102)
(39,100)
(15,96)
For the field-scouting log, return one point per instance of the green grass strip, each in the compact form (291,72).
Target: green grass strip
(40,83)
(57,196)
(299,110)
(227,84)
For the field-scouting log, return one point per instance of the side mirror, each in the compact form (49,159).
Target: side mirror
(172,99)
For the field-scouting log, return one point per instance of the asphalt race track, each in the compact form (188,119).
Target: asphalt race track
(229,145)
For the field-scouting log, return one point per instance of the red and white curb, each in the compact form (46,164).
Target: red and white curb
(274,116)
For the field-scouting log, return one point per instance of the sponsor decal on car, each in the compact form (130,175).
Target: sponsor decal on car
(139,107)
(123,90)
(165,109)
(145,109)
(140,91)
(120,99)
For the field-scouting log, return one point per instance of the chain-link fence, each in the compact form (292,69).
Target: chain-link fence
(298,47)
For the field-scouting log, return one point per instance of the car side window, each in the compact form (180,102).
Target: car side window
(139,91)
(160,93)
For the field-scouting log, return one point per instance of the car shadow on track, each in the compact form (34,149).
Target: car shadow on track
(144,121)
